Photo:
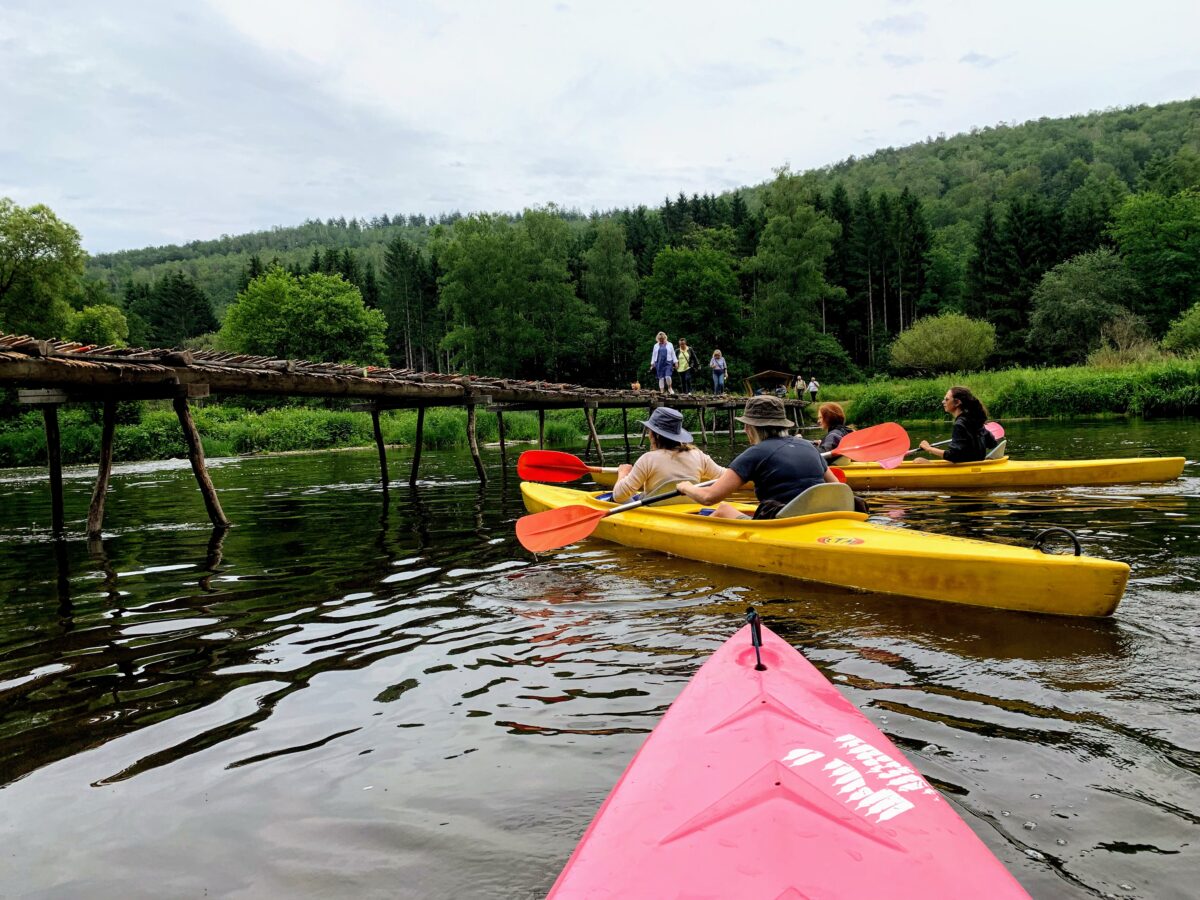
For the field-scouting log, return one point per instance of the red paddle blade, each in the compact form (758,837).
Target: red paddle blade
(554,528)
(995,429)
(550,465)
(877,442)
(838,474)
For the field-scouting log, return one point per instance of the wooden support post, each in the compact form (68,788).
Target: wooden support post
(196,455)
(731,426)
(704,425)
(642,436)
(500,430)
(541,429)
(588,421)
(625,430)
(54,463)
(95,523)
(474,443)
(416,463)
(383,468)
(590,413)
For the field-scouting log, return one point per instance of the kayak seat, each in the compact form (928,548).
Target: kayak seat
(820,498)
(998,451)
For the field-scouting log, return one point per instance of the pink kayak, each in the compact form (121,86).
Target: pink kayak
(770,784)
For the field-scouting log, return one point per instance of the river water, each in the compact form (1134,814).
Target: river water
(353,697)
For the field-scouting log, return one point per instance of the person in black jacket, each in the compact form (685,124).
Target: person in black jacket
(833,419)
(969,440)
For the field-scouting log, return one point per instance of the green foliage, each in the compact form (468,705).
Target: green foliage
(168,312)
(691,294)
(101,326)
(946,343)
(1184,334)
(1159,237)
(41,262)
(315,317)
(508,295)
(610,285)
(1123,341)
(408,298)
(1075,300)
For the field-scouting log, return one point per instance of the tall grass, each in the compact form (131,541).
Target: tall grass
(1161,387)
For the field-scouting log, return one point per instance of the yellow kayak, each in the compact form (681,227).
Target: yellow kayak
(997,474)
(843,548)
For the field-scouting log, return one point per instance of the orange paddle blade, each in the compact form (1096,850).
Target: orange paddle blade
(554,528)
(875,443)
(550,465)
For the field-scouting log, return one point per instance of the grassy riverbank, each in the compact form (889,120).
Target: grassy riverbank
(152,432)
(1163,388)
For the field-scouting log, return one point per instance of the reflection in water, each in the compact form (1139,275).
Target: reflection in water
(360,692)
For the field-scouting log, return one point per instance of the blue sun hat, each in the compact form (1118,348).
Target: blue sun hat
(668,423)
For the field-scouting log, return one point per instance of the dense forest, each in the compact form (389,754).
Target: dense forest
(1056,236)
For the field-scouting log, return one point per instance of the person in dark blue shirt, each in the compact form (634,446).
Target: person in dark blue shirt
(780,465)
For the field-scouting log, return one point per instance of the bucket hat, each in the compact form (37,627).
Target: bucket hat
(766,410)
(668,423)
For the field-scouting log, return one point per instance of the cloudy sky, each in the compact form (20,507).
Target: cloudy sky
(160,122)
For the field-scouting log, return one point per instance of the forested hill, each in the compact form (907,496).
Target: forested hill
(1057,238)
(954,177)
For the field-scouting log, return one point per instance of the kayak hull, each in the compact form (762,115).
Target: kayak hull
(844,549)
(1009,474)
(999,474)
(771,784)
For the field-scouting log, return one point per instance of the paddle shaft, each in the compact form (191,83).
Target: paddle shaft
(657,498)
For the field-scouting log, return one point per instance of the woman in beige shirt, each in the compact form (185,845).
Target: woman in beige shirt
(671,459)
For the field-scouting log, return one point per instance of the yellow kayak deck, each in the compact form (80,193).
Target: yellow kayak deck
(845,549)
(997,474)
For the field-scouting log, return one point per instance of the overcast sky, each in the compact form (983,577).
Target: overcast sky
(162,122)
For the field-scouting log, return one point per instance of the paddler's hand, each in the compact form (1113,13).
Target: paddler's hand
(925,445)
(686,488)
(623,469)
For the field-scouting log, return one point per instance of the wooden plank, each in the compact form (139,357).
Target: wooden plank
(41,396)
(95,522)
(54,464)
(196,456)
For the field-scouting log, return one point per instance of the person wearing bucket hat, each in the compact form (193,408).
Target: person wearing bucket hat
(780,465)
(671,458)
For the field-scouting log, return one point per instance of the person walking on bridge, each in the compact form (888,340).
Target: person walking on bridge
(663,361)
(686,366)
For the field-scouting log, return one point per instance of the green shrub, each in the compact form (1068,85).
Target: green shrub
(1184,334)
(946,343)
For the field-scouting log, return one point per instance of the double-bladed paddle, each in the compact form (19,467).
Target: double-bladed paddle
(553,466)
(995,429)
(554,528)
(865,445)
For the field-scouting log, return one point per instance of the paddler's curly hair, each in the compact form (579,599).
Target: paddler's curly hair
(972,407)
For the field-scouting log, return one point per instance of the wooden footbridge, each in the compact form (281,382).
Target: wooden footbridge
(48,374)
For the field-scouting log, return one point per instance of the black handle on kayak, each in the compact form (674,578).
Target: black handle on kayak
(1041,538)
(755,621)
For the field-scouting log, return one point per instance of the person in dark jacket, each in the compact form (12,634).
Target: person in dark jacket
(833,419)
(969,440)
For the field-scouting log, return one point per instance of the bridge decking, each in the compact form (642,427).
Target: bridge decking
(50,373)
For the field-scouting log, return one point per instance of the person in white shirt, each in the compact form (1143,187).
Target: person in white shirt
(663,362)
